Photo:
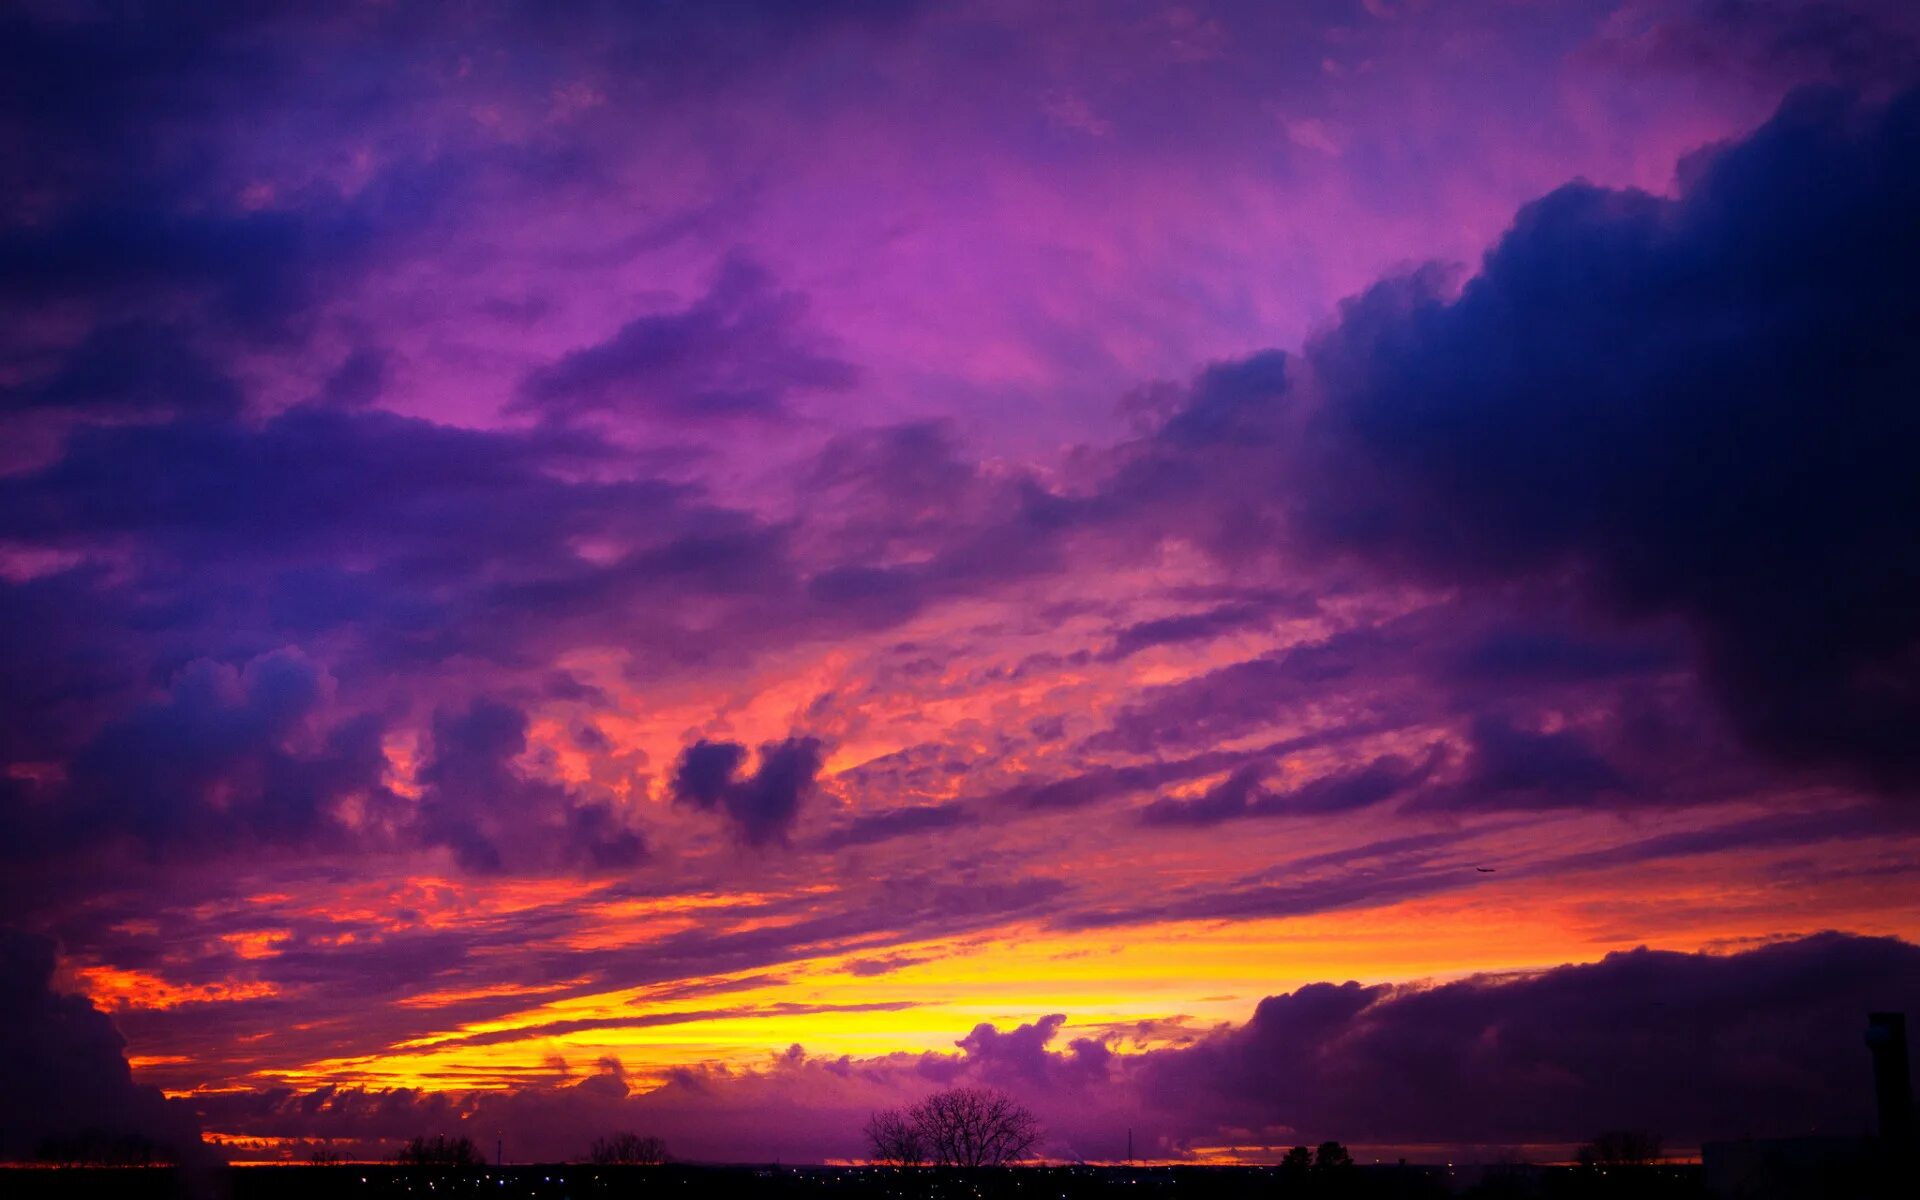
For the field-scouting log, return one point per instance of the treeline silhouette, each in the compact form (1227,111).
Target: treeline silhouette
(585,1181)
(440,1151)
(101,1148)
(627,1150)
(964,1143)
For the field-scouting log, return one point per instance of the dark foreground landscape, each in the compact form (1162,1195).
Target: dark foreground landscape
(1400,1182)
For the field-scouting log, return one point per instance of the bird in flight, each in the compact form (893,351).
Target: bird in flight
(1485,870)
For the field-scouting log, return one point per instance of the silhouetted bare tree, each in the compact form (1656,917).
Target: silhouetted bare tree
(323,1155)
(975,1127)
(895,1139)
(628,1150)
(1621,1148)
(440,1151)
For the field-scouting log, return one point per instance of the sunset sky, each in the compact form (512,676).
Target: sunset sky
(1241,571)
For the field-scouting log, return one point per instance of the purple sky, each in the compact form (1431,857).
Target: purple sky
(644,566)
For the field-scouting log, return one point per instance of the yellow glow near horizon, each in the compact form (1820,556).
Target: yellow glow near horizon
(1201,973)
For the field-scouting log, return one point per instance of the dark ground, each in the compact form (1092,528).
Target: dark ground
(557,1182)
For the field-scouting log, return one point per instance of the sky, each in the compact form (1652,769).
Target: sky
(1246,573)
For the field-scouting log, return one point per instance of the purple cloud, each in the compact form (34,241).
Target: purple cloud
(737,353)
(1728,373)
(1697,1046)
(762,805)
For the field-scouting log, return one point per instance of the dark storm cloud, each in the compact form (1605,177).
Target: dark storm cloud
(1511,767)
(1228,401)
(1695,1046)
(1681,417)
(226,758)
(358,381)
(762,805)
(253,271)
(133,368)
(131,204)
(705,771)
(1697,409)
(400,540)
(1527,650)
(738,352)
(66,642)
(312,480)
(66,1071)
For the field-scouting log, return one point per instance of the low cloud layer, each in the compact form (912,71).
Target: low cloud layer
(1756,1042)
(68,1088)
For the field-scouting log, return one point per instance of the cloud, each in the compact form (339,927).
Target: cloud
(1863,43)
(1695,1046)
(232,759)
(739,352)
(899,822)
(715,1113)
(887,963)
(138,368)
(477,801)
(1691,408)
(653,1020)
(66,1069)
(1204,625)
(1373,886)
(1243,794)
(256,273)
(1231,701)
(255,621)
(763,805)
(1106,782)
(387,544)
(1511,767)
(225,758)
